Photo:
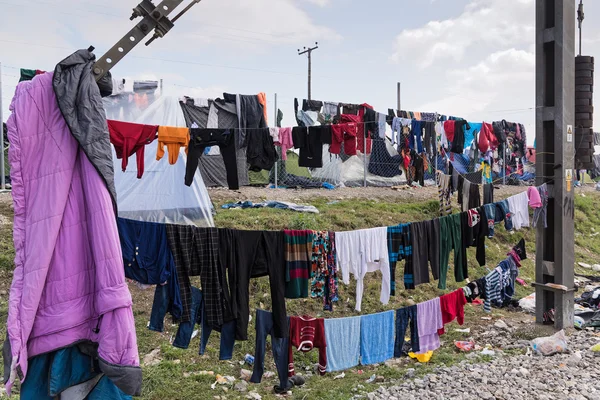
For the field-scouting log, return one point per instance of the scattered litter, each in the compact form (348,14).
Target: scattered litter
(550,345)
(486,318)
(333,202)
(177,361)
(521,282)
(340,376)
(152,358)
(254,396)
(360,372)
(528,303)
(595,348)
(422,358)
(222,380)
(578,322)
(197,373)
(465,346)
(245,374)
(466,330)
(371,379)
(501,325)
(268,374)
(249,359)
(488,352)
(195,333)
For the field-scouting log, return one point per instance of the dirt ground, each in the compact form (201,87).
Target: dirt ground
(381,193)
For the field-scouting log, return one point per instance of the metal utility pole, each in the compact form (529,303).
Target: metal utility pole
(398,94)
(580,17)
(555,117)
(309,52)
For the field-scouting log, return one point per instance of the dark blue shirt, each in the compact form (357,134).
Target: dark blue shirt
(148,258)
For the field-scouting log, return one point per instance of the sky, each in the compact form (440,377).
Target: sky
(470,58)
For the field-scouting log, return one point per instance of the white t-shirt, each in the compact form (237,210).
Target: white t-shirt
(519,208)
(362,251)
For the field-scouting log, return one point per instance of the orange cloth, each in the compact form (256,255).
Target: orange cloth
(174,138)
(262,99)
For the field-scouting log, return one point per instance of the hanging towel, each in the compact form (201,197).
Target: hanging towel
(376,337)
(342,336)
(429,320)
(174,138)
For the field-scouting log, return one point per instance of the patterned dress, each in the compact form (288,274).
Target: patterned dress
(323,269)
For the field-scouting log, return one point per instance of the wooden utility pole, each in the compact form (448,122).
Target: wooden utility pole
(555,118)
(309,52)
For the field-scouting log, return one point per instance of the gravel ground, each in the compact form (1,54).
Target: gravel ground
(565,376)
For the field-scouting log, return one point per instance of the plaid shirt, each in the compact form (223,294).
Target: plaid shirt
(196,253)
(400,248)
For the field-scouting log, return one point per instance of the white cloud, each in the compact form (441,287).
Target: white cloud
(320,3)
(501,86)
(493,23)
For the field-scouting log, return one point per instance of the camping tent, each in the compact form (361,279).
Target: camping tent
(161,195)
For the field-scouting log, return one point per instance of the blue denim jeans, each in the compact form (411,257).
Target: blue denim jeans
(160,305)
(403,315)
(185,330)
(505,212)
(264,327)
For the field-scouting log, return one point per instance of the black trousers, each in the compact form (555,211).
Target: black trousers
(200,139)
(257,254)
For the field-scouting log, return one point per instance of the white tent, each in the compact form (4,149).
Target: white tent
(160,195)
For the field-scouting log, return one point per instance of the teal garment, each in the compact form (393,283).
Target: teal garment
(470,133)
(26,74)
(342,336)
(51,374)
(376,337)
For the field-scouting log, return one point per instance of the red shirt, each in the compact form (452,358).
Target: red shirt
(343,133)
(307,333)
(453,306)
(487,138)
(129,138)
(360,139)
(449,129)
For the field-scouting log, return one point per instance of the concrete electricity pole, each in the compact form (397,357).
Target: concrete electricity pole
(555,119)
(309,52)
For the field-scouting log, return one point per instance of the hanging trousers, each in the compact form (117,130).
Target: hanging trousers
(450,239)
(185,330)
(406,317)
(264,327)
(200,139)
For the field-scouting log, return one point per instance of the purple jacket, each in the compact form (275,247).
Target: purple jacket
(69,283)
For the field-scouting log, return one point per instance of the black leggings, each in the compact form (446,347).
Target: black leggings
(200,139)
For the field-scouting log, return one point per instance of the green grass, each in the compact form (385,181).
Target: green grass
(167,380)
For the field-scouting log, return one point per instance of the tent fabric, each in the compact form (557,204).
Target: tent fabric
(69,282)
(161,195)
